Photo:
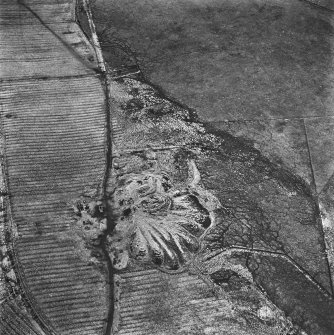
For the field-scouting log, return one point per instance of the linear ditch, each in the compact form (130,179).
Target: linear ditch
(108,156)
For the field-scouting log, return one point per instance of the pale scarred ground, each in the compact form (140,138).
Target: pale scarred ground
(260,70)
(281,113)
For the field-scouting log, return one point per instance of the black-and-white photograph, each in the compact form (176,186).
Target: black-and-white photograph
(166,167)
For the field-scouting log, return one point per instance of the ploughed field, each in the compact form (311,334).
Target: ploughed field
(52,135)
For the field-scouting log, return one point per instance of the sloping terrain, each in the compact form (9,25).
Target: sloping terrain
(259,70)
(263,217)
(196,221)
